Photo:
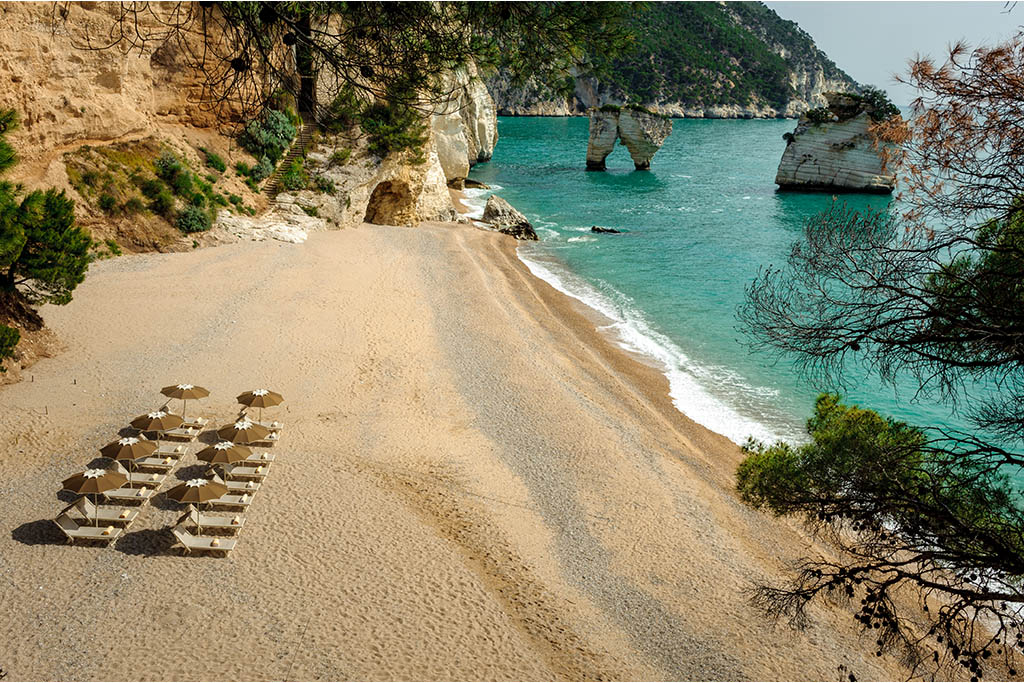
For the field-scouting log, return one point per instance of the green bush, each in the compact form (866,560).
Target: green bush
(235,199)
(113,247)
(133,206)
(182,184)
(107,203)
(310,210)
(9,338)
(340,156)
(214,160)
(295,176)
(168,167)
(243,169)
(193,219)
(162,204)
(217,199)
(819,115)
(393,127)
(198,200)
(91,178)
(268,136)
(324,184)
(151,188)
(883,107)
(261,171)
(343,112)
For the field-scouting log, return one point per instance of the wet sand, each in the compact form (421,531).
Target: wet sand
(472,483)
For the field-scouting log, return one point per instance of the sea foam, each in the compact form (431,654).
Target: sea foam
(688,381)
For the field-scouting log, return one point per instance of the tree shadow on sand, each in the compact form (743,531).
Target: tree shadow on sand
(39,532)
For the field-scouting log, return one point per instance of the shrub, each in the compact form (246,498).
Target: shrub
(883,107)
(168,167)
(324,185)
(162,204)
(214,160)
(611,108)
(393,127)
(343,112)
(217,199)
(243,169)
(90,178)
(193,219)
(310,210)
(819,115)
(151,188)
(235,199)
(107,203)
(198,200)
(182,184)
(9,338)
(295,176)
(268,136)
(210,178)
(261,171)
(340,156)
(133,206)
(113,247)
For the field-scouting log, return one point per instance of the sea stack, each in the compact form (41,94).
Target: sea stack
(833,149)
(641,131)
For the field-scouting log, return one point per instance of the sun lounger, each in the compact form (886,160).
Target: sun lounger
(170,451)
(257,459)
(267,441)
(233,501)
(106,514)
(75,531)
(130,495)
(246,472)
(163,464)
(219,522)
(195,422)
(272,425)
(184,433)
(238,487)
(190,542)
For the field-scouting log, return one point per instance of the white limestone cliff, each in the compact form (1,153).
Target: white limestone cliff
(643,134)
(465,128)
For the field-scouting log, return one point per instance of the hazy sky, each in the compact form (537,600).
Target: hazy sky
(873,40)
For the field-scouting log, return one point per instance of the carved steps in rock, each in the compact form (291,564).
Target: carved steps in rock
(272,185)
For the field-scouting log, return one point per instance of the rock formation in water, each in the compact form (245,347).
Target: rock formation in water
(693,60)
(641,132)
(604,231)
(834,150)
(465,128)
(507,219)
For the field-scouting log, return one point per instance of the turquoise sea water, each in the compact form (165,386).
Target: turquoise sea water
(699,223)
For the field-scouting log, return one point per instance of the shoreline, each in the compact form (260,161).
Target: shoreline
(474,482)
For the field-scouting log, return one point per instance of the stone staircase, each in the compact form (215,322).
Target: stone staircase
(272,185)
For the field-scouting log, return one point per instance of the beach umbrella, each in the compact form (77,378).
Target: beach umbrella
(184,392)
(197,491)
(224,452)
(128,449)
(158,421)
(243,431)
(260,398)
(95,482)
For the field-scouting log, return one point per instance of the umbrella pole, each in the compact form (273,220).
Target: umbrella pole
(184,407)
(96,517)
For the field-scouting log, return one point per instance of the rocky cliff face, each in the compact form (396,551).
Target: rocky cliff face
(641,132)
(694,60)
(838,155)
(465,129)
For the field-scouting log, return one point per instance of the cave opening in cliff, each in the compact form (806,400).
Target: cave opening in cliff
(391,203)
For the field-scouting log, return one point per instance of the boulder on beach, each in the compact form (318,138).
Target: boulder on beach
(507,219)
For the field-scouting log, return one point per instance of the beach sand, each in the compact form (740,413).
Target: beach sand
(472,483)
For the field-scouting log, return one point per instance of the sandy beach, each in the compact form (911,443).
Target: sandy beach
(472,483)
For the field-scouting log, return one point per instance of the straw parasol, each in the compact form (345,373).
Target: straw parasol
(128,449)
(95,482)
(197,491)
(184,392)
(158,421)
(243,431)
(260,398)
(224,452)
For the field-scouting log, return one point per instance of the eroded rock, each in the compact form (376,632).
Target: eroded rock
(507,219)
(643,134)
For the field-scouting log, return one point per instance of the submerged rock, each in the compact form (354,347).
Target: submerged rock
(640,131)
(612,231)
(507,219)
(476,184)
(834,150)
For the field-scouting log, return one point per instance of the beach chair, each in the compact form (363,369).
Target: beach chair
(104,514)
(191,543)
(257,459)
(237,471)
(266,442)
(77,532)
(180,433)
(163,464)
(167,450)
(272,425)
(239,486)
(232,501)
(206,521)
(195,422)
(130,495)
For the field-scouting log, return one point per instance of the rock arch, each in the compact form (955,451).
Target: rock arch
(640,131)
(391,203)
